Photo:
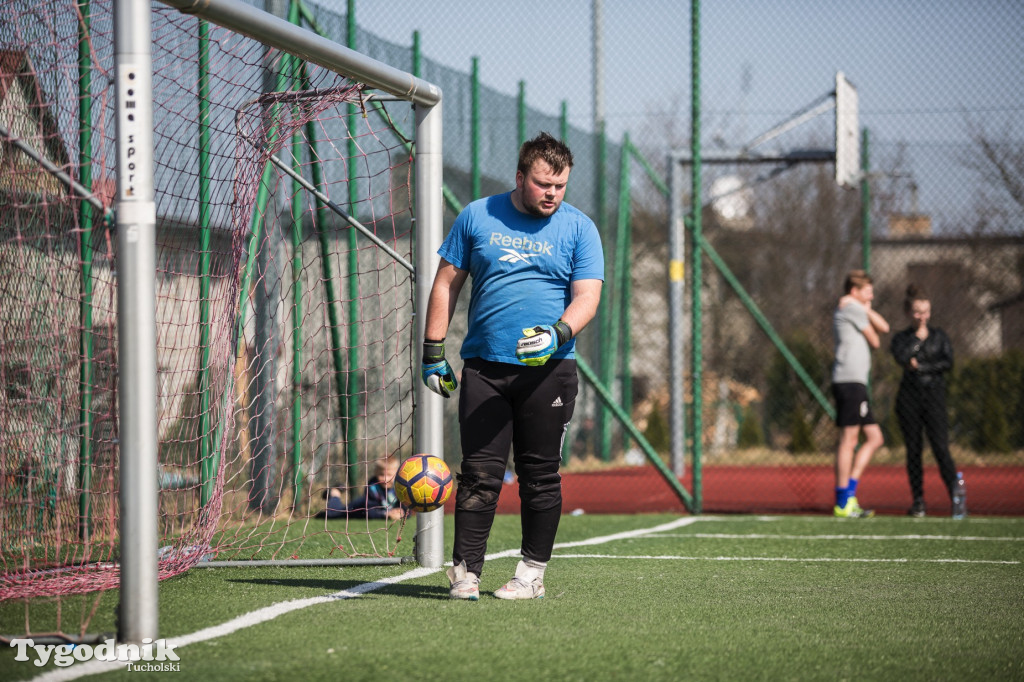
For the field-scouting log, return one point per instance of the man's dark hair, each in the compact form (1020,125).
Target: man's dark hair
(546,148)
(856,279)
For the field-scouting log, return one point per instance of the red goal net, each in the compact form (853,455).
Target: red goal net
(284,306)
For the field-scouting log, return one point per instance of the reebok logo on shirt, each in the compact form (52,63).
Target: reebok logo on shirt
(516,257)
(522,247)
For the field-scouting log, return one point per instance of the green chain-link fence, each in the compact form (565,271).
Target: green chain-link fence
(941,205)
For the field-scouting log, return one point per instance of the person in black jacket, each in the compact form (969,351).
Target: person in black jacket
(925,354)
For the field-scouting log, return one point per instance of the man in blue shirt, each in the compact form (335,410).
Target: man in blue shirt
(536,270)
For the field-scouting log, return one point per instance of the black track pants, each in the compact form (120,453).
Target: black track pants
(527,409)
(922,411)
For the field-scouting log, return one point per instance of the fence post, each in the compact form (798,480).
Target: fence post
(696,275)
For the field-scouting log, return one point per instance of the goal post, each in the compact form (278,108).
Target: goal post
(232,159)
(136,308)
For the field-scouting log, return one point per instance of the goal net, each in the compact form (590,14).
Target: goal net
(285,326)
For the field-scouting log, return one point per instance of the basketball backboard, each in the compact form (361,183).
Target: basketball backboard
(847,133)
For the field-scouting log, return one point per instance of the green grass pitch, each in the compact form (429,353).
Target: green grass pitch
(706,598)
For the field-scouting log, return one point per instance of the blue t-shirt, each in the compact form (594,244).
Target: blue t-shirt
(522,268)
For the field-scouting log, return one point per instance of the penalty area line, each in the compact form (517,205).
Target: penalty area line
(271,612)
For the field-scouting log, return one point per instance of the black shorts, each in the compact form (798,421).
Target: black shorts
(526,408)
(852,406)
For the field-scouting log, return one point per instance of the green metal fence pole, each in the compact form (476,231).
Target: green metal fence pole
(626,354)
(255,236)
(326,264)
(696,275)
(474,128)
(307,15)
(207,475)
(865,201)
(296,326)
(614,299)
(563,135)
(297,204)
(603,422)
(417,55)
(260,496)
(354,331)
(521,114)
(86,371)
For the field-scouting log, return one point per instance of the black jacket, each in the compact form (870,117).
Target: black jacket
(934,357)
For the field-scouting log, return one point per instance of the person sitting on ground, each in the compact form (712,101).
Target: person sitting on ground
(378,501)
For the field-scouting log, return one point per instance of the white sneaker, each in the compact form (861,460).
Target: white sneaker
(528,583)
(465,585)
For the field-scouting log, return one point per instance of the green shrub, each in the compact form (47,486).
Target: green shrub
(751,434)
(986,399)
(787,398)
(802,435)
(657,431)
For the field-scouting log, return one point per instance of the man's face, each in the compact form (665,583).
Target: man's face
(864,294)
(541,190)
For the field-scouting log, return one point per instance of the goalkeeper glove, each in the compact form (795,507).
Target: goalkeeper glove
(437,373)
(540,343)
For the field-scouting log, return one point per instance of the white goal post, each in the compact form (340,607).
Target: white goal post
(135,227)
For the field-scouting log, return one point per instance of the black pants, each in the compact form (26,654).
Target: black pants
(527,409)
(923,411)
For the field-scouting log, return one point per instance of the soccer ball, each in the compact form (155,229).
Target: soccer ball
(423,483)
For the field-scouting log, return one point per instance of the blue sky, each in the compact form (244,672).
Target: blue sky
(921,67)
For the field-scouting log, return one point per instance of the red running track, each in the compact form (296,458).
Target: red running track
(747,489)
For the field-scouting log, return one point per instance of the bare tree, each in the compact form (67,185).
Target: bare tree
(998,161)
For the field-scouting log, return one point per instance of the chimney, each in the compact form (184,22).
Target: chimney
(913,224)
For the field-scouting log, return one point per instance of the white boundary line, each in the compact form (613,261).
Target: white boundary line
(271,612)
(768,536)
(790,559)
(928,520)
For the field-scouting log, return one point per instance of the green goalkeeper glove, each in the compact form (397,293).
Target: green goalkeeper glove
(437,373)
(539,343)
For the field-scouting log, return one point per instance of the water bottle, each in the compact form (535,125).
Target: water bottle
(959,497)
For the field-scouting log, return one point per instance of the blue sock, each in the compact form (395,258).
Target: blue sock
(851,489)
(842,495)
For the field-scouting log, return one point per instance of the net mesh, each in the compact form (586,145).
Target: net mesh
(284,332)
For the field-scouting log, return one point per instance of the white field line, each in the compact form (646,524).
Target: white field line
(271,612)
(973,520)
(768,536)
(790,559)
